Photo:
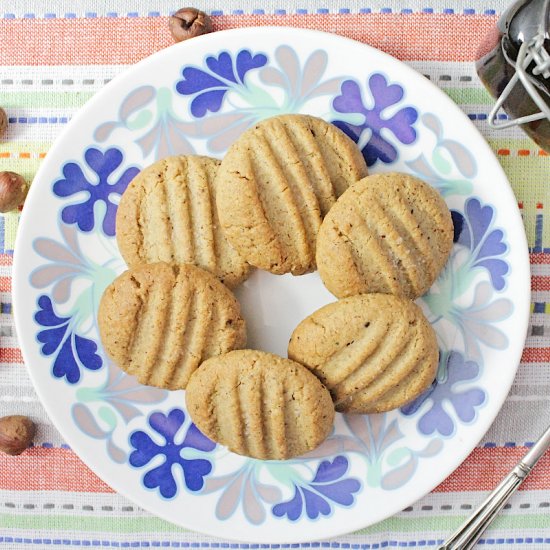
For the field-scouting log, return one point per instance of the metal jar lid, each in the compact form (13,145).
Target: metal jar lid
(515,68)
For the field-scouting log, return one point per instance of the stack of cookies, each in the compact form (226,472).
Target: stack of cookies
(291,195)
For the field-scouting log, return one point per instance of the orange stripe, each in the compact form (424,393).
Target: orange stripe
(484,468)
(6,260)
(11,355)
(535,355)
(539,282)
(5,284)
(539,258)
(416,36)
(39,469)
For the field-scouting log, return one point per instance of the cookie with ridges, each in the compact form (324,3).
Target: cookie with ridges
(259,405)
(389,233)
(168,213)
(160,321)
(277,182)
(374,352)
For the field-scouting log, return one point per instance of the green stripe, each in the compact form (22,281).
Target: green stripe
(469,96)
(29,100)
(120,524)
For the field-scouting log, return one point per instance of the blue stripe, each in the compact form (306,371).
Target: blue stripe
(256,11)
(176,544)
(538,233)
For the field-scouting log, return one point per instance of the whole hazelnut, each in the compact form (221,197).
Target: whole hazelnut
(188,23)
(16,434)
(13,190)
(3,122)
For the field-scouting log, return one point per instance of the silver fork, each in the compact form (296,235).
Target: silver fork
(471,530)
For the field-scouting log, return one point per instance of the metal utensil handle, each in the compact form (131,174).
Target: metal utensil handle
(469,533)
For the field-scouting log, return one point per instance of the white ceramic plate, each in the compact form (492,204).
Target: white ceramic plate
(197,97)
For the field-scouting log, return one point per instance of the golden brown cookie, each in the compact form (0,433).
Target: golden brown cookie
(374,352)
(389,233)
(277,182)
(168,214)
(259,404)
(159,322)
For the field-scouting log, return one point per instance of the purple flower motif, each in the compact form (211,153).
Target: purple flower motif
(328,485)
(71,351)
(74,182)
(472,230)
(210,85)
(163,477)
(464,402)
(400,124)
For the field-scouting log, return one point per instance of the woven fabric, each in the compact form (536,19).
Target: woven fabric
(55,55)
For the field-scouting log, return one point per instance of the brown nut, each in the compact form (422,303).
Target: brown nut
(16,434)
(3,122)
(13,190)
(188,23)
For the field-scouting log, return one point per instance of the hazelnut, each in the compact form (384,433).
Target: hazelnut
(3,122)
(16,434)
(188,23)
(13,189)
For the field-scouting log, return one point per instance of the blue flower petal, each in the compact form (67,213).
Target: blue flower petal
(195,80)
(145,449)
(103,164)
(341,491)
(330,471)
(479,218)
(497,270)
(167,425)
(74,181)
(45,316)
(51,338)
(493,245)
(82,214)
(194,472)
(292,508)
(315,505)
(162,478)
(86,350)
(222,66)
(247,62)
(207,101)
(350,99)
(197,440)
(65,364)
(109,221)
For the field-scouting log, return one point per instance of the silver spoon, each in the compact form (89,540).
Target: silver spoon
(469,533)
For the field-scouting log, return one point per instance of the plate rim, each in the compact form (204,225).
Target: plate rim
(477,432)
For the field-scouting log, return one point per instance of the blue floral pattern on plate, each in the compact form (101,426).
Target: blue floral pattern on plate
(189,455)
(209,87)
(329,484)
(200,105)
(59,339)
(465,402)
(373,120)
(74,181)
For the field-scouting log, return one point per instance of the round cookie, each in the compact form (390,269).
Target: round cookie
(389,233)
(159,322)
(168,214)
(277,182)
(259,405)
(374,352)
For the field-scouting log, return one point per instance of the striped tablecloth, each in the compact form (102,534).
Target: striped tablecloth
(54,55)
